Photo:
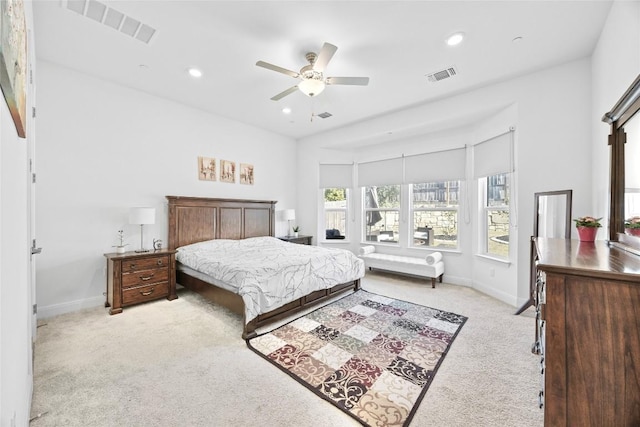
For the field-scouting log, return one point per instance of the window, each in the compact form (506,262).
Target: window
(381,213)
(435,214)
(336,204)
(495,190)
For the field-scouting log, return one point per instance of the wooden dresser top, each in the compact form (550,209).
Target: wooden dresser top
(596,259)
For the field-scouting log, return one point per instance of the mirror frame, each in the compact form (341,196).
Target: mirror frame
(536,207)
(536,221)
(626,107)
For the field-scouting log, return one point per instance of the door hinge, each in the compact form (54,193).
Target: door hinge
(33,112)
(33,178)
(35,308)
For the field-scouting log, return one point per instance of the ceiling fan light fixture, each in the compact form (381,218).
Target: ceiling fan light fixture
(311,87)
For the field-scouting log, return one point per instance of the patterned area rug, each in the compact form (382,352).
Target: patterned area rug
(371,356)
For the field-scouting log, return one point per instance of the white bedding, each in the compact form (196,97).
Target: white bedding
(269,272)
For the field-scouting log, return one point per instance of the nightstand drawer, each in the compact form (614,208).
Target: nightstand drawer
(145,293)
(144,264)
(145,277)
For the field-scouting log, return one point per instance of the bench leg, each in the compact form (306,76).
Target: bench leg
(433,282)
(441,277)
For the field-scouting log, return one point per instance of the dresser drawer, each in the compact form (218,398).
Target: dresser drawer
(144,264)
(145,277)
(145,293)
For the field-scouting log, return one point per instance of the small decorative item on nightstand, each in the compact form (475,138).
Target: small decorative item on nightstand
(120,247)
(295,230)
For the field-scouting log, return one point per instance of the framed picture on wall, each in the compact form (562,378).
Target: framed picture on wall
(227,171)
(206,168)
(13,61)
(246,173)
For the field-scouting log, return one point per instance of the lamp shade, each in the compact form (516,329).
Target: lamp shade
(289,214)
(142,216)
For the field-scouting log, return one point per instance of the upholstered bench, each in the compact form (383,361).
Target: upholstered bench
(430,266)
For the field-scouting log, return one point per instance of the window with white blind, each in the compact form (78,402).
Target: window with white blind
(492,168)
(335,181)
(434,211)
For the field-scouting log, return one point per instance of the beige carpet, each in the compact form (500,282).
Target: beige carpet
(183,363)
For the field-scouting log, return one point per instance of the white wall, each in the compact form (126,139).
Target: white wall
(615,64)
(104,148)
(550,110)
(15,289)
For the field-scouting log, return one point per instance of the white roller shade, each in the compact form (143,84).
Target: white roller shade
(493,156)
(446,165)
(382,172)
(336,176)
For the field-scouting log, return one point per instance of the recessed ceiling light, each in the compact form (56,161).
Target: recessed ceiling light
(286,110)
(194,72)
(455,39)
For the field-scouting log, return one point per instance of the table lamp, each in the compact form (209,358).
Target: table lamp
(142,216)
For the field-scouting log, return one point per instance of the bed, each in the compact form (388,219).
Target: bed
(196,221)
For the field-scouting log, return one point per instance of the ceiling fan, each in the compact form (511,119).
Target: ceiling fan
(312,80)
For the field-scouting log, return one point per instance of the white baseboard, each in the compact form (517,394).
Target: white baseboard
(69,307)
(499,295)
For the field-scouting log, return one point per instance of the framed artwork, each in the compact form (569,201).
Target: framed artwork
(246,173)
(206,168)
(13,61)
(227,171)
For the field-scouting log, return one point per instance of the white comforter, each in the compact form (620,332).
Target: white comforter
(268,272)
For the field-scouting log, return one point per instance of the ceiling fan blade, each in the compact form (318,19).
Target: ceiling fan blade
(278,69)
(325,55)
(285,93)
(359,81)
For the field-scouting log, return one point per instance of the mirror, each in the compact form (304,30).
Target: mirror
(625,155)
(551,219)
(631,169)
(552,214)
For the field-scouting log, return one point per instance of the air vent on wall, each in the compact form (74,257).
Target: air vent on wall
(442,74)
(110,17)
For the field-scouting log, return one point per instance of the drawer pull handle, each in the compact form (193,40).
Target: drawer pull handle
(159,262)
(146,294)
(144,279)
(132,266)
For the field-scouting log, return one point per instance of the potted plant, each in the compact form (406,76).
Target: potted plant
(587,227)
(295,229)
(121,245)
(632,226)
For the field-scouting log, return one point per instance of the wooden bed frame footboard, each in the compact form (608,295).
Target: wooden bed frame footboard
(195,219)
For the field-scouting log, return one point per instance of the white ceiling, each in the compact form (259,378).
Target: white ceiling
(395,43)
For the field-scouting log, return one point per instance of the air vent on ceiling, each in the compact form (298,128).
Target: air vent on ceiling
(442,74)
(110,17)
(325,115)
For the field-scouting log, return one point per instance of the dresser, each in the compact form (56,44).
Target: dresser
(134,277)
(301,240)
(587,302)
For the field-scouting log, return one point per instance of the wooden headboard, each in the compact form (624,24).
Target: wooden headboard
(195,219)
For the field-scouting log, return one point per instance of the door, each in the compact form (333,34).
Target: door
(31,193)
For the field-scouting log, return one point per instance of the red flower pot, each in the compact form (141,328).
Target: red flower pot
(632,231)
(587,234)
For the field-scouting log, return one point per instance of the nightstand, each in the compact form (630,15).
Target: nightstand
(135,277)
(301,240)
